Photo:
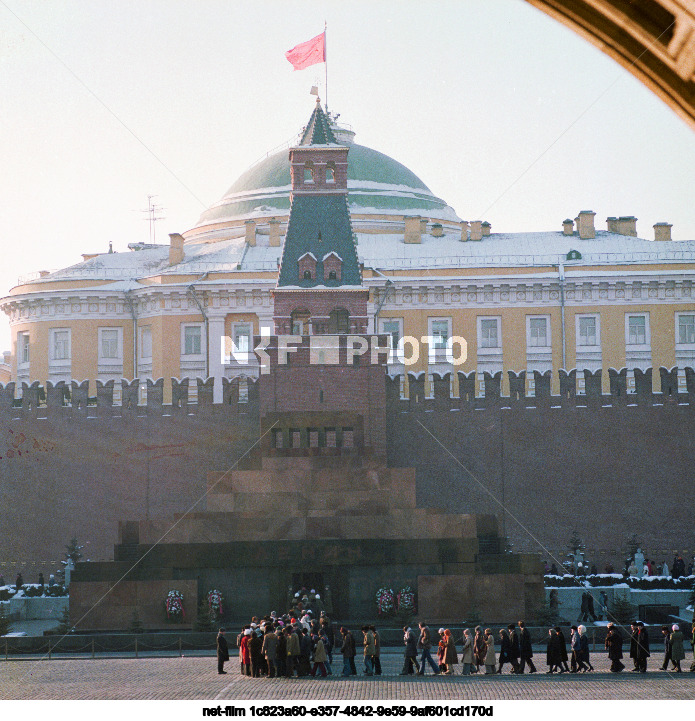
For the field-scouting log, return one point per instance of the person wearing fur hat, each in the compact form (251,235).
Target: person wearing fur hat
(490,659)
(450,655)
(222,651)
(614,645)
(348,649)
(677,649)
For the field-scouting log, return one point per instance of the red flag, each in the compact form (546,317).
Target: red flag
(309,53)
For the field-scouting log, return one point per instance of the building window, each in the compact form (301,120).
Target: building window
(23,348)
(440,330)
(330,172)
(110,343)
(686,329)
(537,332)
(60,344)
(637,330)
(192,339)
(587,330)
(243,390)
(393,327)
(146,342)
(308,172)
(307,275)
(489,333)
(339,321)
(241,336)
(332,275)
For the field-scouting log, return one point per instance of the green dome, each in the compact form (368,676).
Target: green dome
(377,184)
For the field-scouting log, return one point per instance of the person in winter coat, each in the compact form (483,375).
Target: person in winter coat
(525,649)
(269,649)
(467,653)
(377,651)
(584,648)
(320,658)
(245,652)
(255,645)
(513,648)
(327,648)
(410,652)
(293,652)
(667,647)
(505,650)
(614,644)
(347,648)
(369,650)
(441,648)
(642,647)
(563,649)
(553,656)
(281,653)
(576,664)
(479,648)
(450,655)
(490,659)
(634,632)
(677,649)
(222,651)
(305,649)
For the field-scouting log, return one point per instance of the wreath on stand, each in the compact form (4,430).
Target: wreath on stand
(215,603)
(385,600)
(174,607)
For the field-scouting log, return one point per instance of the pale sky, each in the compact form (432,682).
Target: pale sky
(467,94)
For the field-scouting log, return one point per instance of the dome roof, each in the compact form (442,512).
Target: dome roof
(377,185)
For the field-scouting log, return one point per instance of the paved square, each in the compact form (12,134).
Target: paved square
(196,677)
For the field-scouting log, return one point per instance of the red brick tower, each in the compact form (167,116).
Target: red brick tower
(319,288)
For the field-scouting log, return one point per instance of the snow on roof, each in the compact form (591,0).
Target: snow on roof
(307,253)
(388,251)
(332,253)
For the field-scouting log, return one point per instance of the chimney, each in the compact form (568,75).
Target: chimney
(568,226)
(612,224)
(413,229)
(585,224)
(486,227)
(423,226)
(250,232)
(476,230)
(437,230)
(175,248)
(464,230)
(274,233)
(627,225)
(662,231)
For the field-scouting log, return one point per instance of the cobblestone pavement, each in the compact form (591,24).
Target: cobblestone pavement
(197,678)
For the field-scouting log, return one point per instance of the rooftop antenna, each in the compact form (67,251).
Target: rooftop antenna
(153,215)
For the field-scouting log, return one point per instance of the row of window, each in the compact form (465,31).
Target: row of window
(489,329)
(538,330)
(110,343)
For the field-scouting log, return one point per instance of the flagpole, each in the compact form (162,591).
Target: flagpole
(325,55)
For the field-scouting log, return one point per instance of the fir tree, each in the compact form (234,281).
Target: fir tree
(204,620)
(135,622)
(621,610)
(5,622)
(64,625)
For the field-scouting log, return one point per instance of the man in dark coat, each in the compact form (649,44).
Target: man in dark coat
(553,655)
(222,651)
(667,647)
(642,647)
(505,650)
(525,650)
(514,648)
(348,650)
(634,631)
(614,644)
(563,649)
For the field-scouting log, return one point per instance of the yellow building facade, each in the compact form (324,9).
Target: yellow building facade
(577,297)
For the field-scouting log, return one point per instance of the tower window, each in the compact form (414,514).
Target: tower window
(330,172)
(332,275)
(308,172)
(307,275)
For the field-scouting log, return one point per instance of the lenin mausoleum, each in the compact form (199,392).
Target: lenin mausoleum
(334,380)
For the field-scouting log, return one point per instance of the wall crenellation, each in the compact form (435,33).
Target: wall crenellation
(147,396)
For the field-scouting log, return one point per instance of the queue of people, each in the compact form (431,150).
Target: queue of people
(275,647)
